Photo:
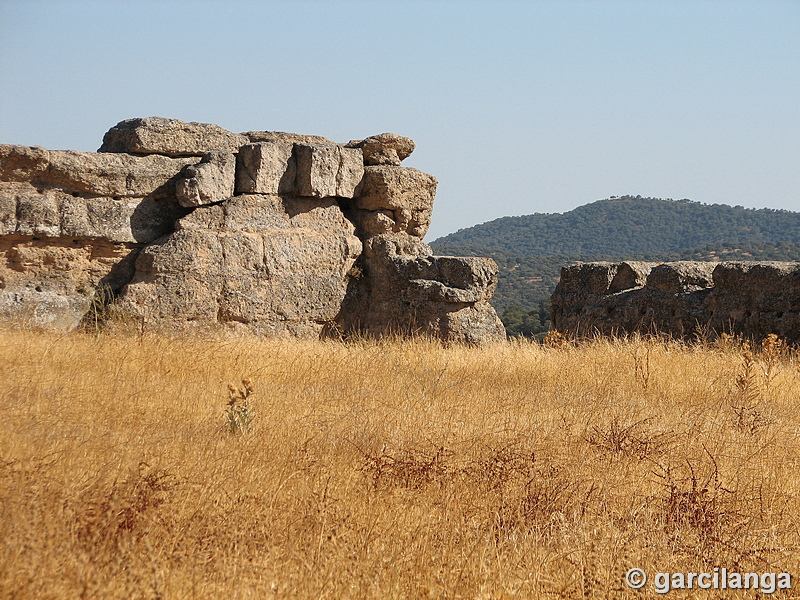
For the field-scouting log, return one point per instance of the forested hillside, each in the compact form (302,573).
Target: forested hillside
(531,249)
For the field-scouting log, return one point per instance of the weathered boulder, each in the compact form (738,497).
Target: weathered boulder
(211,180)
(384,149)
(396,188)
(171,137)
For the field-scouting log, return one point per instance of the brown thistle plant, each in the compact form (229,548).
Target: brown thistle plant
(239,413)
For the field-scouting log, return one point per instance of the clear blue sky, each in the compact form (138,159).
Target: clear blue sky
(516,107)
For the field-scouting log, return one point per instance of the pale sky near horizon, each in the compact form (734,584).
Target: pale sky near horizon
(516,107)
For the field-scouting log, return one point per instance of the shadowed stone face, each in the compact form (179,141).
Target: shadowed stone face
(266,168)
(682,299)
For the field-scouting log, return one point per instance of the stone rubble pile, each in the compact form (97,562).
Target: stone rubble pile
(178,226)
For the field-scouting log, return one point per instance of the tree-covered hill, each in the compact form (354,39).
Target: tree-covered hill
(531,249)
(626,225)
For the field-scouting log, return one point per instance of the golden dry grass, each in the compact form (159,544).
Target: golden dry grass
(389,469)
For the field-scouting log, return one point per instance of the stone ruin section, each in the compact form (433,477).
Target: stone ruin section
(681,299)
(181,226)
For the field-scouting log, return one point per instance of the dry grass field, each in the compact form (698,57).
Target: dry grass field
(393,469)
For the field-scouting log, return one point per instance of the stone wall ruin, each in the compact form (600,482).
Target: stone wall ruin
(681,299)
(180,226)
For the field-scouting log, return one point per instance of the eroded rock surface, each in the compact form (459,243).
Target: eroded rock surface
(71,225)
(394,199)
(261,263)
(176,226)
(384,149)
(53,213)
(57,282)
(404,289)
(266,168)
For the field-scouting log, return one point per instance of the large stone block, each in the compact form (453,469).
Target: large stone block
(42,309)
(266,168)
(260,263)
(171,137)
(747,291)
(587,278)
(350,173)
(52,213)
(630,274)
(450,278)
(283,137)
(89,173)
(396,188)
(324,170)
(394,199)
(683,276)
(211,180)
(39,214)
(757,278)
(23,163)
(54,282)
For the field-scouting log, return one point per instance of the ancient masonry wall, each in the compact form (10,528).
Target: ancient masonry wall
(176,226)
(682,299)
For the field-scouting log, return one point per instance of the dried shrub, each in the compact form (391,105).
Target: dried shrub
(634,440)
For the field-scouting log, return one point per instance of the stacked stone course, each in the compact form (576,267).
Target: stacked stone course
(681,299)
(186,225)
